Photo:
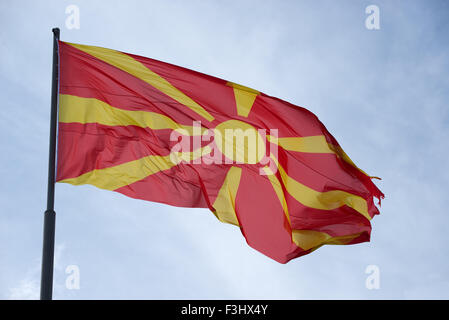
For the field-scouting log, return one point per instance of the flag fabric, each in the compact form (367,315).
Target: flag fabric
(158,132)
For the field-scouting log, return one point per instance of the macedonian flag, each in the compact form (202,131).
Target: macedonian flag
(158,132)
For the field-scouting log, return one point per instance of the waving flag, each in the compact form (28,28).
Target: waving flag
(154,131)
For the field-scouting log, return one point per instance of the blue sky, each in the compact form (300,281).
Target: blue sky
(382,93)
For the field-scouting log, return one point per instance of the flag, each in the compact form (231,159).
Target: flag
(155,131)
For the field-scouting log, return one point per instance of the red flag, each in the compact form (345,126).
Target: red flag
(154,131)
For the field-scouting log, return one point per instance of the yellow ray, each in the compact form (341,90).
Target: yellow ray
(328,200)
(277,189)
(224,204)
(244,98)
(340,152)
(137,69)
(124,174)
(305,239)
(313,144)
(311,239)
(310,144)
(90,110)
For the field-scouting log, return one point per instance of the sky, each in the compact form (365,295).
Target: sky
(383,93)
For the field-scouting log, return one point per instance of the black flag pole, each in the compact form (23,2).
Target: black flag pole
(48,247)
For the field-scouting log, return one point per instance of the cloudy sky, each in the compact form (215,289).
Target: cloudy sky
(382,93)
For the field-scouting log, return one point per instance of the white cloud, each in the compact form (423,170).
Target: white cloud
(28,289)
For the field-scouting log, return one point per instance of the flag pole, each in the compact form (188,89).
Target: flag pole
(48,246)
